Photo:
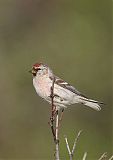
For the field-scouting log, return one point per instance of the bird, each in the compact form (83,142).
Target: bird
(64,93)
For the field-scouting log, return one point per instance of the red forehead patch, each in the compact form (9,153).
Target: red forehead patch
(37,65)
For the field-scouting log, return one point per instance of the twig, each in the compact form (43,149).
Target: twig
(52,97)
(71,153)
(75,142)
(84,156)
(52,110)
(60,119)
(104,155)
(57,139)
(52,119)
(68,148)
(111,157)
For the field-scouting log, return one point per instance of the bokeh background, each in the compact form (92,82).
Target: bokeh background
(74,39)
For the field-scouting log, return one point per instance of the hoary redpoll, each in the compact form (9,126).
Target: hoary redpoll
(64,93)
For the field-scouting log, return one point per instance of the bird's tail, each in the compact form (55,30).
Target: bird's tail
(92,103)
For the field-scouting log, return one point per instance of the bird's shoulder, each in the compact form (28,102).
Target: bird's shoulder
(62,83)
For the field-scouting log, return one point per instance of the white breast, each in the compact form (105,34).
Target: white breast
(42,86)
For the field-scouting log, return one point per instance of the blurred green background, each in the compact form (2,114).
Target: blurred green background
(74,39)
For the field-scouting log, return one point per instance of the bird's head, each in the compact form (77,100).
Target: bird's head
(40,69)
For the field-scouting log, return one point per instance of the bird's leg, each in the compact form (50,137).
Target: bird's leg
(61,116)
(62,112)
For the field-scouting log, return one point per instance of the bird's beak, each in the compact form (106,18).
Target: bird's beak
(33,72)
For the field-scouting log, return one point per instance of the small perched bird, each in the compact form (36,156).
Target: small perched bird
(64,93)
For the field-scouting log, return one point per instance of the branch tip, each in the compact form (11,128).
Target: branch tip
(84,156)
(104,155)
(111,158)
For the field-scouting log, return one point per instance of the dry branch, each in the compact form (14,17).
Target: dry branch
(68,148)
(111,157)
(54,118)
(75,142)
(103,156)
(84,156)
(53,108)
(57,139)
(71,153)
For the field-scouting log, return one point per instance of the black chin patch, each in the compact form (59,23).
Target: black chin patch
(34,74)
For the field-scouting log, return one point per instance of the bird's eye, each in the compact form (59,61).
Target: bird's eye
(37,69)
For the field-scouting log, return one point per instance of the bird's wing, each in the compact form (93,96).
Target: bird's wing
(67,86)
(83,99)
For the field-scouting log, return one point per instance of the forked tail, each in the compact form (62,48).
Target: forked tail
(91,103)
